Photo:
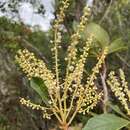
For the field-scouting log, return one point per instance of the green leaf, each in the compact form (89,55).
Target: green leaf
(117,110)
(99,34)
(106,122)
(38,85)
(117,45)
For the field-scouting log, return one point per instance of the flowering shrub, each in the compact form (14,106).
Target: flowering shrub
(69,95)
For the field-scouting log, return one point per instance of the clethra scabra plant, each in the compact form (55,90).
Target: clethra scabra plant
(70,95)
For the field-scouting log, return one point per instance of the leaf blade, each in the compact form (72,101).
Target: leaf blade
(38,85)
(99,34)
(106,122)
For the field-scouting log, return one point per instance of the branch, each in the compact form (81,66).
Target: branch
(103,79)
(24,43)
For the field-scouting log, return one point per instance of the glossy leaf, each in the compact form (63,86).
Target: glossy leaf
(106,122)
(99,34)
(38,85)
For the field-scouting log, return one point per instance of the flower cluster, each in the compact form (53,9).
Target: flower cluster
(57,25)
(124,83)
(119,87)
(34,67)
(76,71)
(61,14)
(90,95)
(31,105)
(28,103)
(89,99)
(71,95)
(95,70)
(76,37)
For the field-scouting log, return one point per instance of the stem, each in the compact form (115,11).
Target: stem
(71,119)
(72,101)
(57,74)
(123,60)
(65,91)
(56,59)
(64,127)
(103,78)
(57,116)
(75,112)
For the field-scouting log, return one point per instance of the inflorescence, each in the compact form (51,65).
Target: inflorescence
(69,96)
(119,87)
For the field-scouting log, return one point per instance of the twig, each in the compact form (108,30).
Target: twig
(103,79)
(28,45)
(123,60)
(106,12)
